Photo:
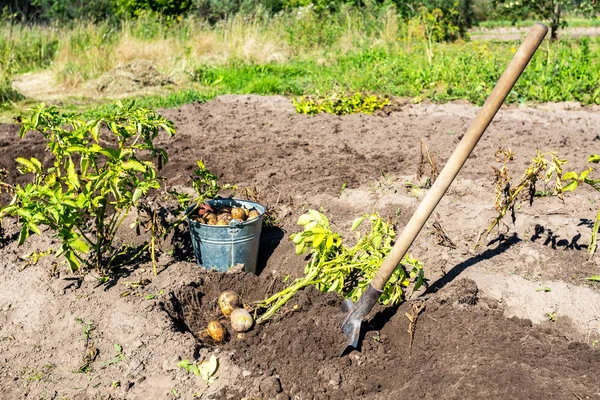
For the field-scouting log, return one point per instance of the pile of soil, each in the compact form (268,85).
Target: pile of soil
(514,319)
(131,77)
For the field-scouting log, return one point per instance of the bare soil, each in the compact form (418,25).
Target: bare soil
(485,332)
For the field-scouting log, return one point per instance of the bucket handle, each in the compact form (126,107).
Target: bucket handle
(235,227)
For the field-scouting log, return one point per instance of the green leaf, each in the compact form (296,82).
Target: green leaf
(356,223)
(134,165)
(594,158)
(79,245)
(34,228)
(185,364)
(37,164)
(420,279)
(317,216)
(137,193)
(208,368)
(317,240)
(24,234)
(72,260)
(300,248)
(329,242)
(76,149)
(296,238)
(95,129)
(29,167)
(113,154)
(305,219)
(570,175)
(72,176)
(571,186)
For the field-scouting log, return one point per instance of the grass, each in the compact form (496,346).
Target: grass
(292,54)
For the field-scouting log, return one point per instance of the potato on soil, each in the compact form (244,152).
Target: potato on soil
(229,301)
(241,320)
(216,331)
(238,213)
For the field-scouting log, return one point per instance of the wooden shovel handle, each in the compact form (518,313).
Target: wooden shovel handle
(463,150)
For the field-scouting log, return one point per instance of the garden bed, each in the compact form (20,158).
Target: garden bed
(486,330)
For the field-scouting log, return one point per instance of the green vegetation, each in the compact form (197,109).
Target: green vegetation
(375,50)
(340,104)
(205,369)
(334,267)
(89,189)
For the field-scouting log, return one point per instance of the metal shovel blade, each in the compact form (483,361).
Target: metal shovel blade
(355,314)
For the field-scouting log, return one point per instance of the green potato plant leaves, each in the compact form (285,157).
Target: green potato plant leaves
(89,187)
(335,267)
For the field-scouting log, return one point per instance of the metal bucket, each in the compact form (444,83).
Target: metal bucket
(221,247)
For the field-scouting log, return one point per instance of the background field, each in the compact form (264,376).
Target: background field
(81,61)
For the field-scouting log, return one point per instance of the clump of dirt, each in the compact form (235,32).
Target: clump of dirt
(131,77)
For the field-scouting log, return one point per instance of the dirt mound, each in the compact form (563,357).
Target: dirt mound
(132,77)
(462,348)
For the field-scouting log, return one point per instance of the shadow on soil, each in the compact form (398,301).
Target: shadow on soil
(553,240)
(269,240)
(504,244)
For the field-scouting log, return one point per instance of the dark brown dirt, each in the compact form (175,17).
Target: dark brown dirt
(466,344)
(463,348)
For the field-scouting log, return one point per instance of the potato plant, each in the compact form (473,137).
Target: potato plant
(90,187)
(334,267)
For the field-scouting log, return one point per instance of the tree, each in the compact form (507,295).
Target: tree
(551,11)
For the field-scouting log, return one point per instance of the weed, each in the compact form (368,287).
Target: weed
(90,351)
(35,257)
(205,369)
(119,356)
(551,315)
(344,186)
(37,375)
(545,289)
(427,158)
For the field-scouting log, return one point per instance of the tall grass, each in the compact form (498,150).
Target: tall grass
(302,52)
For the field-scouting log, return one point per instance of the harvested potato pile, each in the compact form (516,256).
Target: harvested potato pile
(222,216)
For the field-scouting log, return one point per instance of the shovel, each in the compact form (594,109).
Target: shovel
(356,312)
